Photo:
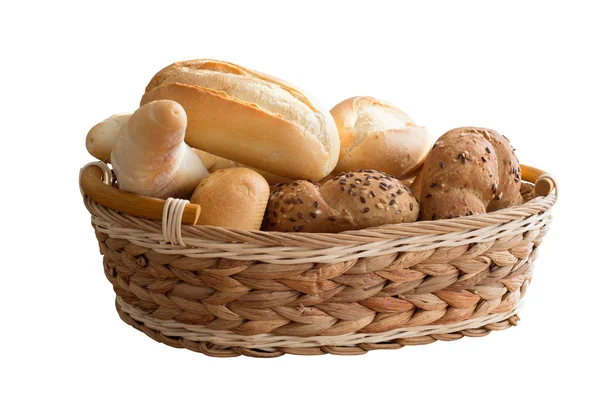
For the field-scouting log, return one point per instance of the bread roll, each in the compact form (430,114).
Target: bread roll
(150,157)
(250,117)
(469,171)
(101,139)
(214,163)
(377,135)
(349,201)
(232,198)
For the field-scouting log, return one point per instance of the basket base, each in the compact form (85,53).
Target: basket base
(359,345)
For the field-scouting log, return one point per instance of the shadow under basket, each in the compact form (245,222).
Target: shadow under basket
(229,292)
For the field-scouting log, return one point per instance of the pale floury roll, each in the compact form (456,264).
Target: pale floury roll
(150,157)
(101,139)
(376,135)
(250,117)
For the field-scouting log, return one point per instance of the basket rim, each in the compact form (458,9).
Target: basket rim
(204,241)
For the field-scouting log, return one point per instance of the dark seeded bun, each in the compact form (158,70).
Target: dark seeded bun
(354,200)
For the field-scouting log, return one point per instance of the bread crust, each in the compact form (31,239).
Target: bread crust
(250,117)
(377,135)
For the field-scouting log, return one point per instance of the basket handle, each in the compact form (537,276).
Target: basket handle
(544,182)
(98,187)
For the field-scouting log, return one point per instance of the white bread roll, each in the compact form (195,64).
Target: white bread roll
(150,156)
(101,139)
(377,135)
(250,117)
(232,198)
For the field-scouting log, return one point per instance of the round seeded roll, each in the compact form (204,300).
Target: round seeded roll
(354,200)
(376,135)
(232,198)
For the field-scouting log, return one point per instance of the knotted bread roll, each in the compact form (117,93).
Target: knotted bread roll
(150,157)
(468,171)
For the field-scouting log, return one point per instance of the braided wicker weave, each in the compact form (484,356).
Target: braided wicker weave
(227,292)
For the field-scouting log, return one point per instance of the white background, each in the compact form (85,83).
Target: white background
(529,70)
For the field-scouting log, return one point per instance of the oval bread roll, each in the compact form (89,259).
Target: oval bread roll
(376,135)
(250,117)
(232,198)
(354,200)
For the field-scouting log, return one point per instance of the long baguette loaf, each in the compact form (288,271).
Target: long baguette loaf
(250,117)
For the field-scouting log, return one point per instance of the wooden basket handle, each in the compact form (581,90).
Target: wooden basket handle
(92,183)
(544,182)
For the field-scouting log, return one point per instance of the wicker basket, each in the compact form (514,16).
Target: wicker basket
(227,292)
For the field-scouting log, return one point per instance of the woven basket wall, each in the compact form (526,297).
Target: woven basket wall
(229,292)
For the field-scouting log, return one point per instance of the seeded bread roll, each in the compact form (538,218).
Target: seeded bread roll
(250,117)
(354,200)
(469,171)
(376,135)
(232,198)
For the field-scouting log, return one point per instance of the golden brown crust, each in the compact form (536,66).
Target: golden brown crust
(232,198)
(354,200)
(376,135)
(250,117)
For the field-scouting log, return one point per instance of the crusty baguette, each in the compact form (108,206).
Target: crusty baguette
(150,157)
(376,135)
(250,117)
